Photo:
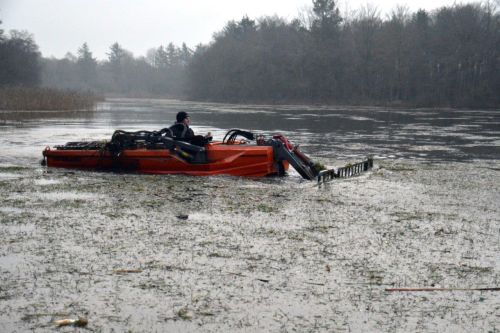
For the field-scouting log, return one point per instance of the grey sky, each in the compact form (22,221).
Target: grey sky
(60,26)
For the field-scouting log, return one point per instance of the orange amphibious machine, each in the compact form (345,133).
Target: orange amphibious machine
(159,153)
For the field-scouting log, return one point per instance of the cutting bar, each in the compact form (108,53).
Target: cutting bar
(347,171)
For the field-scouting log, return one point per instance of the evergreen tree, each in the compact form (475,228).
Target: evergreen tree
(1,33)
(116,54)
(87,66)
(326,18)
(161,58)
(325,64)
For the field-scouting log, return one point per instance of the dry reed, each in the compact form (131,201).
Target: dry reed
(42,99)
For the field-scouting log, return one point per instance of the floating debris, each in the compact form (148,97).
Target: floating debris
(80,322)
(315,283)
(185,314)
(126,271)
(443,289)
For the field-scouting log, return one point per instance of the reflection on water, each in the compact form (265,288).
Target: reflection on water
(322,131)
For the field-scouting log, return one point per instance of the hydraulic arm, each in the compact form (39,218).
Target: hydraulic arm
(284,150)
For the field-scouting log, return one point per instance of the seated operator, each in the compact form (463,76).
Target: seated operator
(182,131)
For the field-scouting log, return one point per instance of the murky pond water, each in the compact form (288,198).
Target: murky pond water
(147,253)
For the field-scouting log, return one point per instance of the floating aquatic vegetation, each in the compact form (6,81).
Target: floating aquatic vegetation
(252,255)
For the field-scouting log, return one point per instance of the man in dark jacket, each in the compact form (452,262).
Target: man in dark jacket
(181,131)
(181,128)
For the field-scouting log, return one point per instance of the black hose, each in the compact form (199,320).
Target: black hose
(232,134)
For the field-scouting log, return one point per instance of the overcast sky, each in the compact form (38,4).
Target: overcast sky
(60,26)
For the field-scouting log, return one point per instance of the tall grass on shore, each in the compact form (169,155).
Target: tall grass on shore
(42,99)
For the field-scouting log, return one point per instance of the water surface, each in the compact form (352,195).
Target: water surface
(175,253)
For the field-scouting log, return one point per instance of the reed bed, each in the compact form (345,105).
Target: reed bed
(42,99)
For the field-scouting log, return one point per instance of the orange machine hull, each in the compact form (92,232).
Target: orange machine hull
(227,159)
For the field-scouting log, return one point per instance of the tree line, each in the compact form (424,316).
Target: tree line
(161,73)
(448,57)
